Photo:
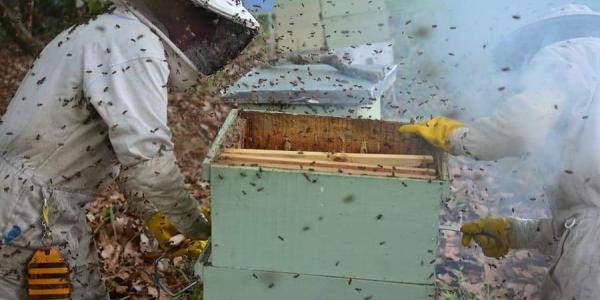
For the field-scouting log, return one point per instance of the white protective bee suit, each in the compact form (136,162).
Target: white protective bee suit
(555,119)
(94,103)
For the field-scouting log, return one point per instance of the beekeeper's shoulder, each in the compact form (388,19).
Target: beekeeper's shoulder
(117,36)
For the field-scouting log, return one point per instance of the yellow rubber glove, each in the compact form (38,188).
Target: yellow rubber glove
(436,131)
(490,233)
(164,231)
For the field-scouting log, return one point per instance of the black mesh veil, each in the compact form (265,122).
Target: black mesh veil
(208,40)
(212,52)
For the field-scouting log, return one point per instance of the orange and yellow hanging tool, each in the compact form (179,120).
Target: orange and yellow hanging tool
(48,272)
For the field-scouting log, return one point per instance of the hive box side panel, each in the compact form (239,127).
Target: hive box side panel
(226,283)
(351,7)
(298,26)
(356,29)
(325,224)
(221,137)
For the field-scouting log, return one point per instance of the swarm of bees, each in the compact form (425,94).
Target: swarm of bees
(94,107)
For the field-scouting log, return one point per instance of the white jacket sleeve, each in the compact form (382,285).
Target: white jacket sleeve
(517,129)
(532,234)
(525,120)
(158,183)
(132,101)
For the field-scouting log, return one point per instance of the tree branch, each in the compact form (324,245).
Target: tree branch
(29,15)
(17,30)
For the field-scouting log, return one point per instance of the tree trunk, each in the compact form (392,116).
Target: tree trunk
(18,31)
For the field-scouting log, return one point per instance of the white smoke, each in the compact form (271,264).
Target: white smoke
(445,49)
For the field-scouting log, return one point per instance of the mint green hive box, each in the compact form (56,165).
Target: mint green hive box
(302,232)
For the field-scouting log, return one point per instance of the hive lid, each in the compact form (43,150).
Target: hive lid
(315,84)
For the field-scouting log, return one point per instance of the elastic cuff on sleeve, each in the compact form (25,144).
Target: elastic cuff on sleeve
(531,234)
(455,144)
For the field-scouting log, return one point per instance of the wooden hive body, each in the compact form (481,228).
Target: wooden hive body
(321,227)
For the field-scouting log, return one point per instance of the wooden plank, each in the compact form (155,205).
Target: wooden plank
(230,283)
(298,26)
(351,7)
(326,164)
(284,3)
(301,39)
(218,141)
(397,160)
(351,30)
(309,168)
(235,136)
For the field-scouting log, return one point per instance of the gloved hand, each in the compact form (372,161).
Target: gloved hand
(492,234)
(171,240)
(436,131)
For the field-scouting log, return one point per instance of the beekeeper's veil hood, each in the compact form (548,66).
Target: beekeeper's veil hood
(564,23)
(200,36)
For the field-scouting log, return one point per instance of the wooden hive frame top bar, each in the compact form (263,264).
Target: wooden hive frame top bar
(329,144)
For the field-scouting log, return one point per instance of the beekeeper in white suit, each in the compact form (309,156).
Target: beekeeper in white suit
(555,118)
(93,106)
